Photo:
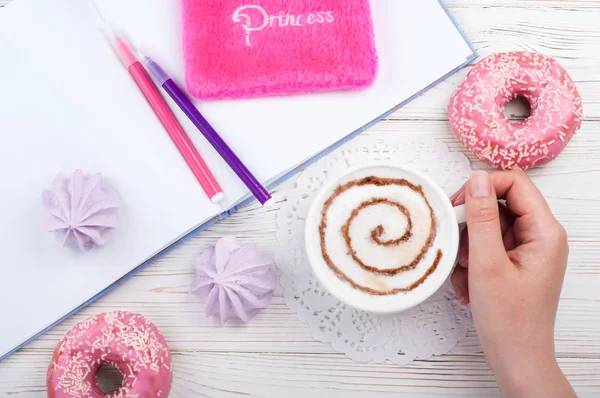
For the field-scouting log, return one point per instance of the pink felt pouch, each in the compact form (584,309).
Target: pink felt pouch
(250,48)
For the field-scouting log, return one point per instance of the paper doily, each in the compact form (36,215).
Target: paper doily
(434,327)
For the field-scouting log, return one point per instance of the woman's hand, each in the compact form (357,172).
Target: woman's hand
(512,263)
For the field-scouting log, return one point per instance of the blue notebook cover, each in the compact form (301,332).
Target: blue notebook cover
(244,203)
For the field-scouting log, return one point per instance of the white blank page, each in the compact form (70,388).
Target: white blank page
(67,103)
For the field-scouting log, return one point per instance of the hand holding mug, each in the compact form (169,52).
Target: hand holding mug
(512,262)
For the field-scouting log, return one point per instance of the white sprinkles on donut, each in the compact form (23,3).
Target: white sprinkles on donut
(128,341)
(476,110)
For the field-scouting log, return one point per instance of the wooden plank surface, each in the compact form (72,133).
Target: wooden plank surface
(276,354)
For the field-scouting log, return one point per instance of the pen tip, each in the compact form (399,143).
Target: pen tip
(269,203)
(217,198)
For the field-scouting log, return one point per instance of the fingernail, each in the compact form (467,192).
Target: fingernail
(457,194)
(479,185)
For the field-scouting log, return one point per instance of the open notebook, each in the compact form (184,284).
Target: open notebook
(67,103)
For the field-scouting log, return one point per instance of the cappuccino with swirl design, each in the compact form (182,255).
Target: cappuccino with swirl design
(382,238)
(377,233)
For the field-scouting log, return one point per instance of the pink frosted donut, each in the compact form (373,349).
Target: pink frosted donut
(476,110)
(127,341)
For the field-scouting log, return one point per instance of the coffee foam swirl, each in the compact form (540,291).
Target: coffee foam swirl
(376,232)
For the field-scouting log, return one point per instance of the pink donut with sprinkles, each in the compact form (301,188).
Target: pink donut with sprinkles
(476,110)
(126,341)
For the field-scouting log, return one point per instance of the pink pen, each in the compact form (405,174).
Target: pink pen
(160,107)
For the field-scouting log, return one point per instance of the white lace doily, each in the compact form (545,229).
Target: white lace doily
(435,326)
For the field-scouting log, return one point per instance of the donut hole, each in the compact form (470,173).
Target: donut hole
(518,109)
(109,378)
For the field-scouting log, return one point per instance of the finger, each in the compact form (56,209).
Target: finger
(506,226)
(459,200)
(521,194)
(460,282)
(486,246)
(507,220)
(510,241)
(460,191)
(463,249)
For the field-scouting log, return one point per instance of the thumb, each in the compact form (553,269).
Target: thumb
(486,247)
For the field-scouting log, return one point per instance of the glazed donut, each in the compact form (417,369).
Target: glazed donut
(476,110)
(127,341)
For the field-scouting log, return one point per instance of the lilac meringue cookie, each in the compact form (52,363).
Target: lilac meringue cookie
(82,209)
(235,280)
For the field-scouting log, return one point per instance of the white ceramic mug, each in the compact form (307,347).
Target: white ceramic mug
(448,220)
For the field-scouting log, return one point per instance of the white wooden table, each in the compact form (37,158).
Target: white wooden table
(276,355)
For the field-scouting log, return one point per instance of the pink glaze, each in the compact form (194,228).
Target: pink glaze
(127,341)
(477,117)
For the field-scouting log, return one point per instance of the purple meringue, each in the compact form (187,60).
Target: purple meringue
(235,280)
(81,210)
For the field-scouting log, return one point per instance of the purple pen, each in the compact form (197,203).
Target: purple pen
(161,78)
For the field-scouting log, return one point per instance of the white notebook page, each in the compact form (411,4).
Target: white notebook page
(66,103)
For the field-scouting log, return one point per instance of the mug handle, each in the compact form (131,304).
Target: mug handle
(461,216)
